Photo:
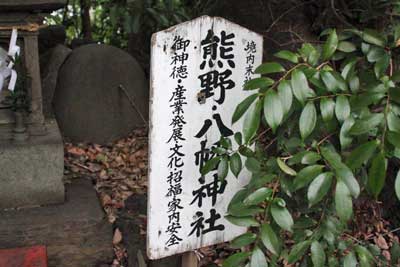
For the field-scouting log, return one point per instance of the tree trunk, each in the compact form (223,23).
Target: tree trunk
(86,23)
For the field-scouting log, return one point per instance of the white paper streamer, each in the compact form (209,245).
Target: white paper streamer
(1,82)
(13,81)
(13,48)
(10,65)
(15,51)
(4,74)
(6,70)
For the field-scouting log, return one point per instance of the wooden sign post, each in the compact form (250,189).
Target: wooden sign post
(198,70)
(189,259)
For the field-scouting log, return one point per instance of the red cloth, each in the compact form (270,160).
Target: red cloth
(24,257)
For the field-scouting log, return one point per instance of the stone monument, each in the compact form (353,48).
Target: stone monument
(32,170)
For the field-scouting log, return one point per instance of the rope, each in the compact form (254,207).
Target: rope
(30,27)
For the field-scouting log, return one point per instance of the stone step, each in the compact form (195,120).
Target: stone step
(75,233)
(24,257)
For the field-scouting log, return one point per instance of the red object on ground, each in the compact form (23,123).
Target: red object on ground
(24,257)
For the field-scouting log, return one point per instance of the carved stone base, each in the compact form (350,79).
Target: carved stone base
(32,171)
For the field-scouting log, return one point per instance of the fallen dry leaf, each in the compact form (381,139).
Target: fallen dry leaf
(76,151)
(117,237)
(381,242)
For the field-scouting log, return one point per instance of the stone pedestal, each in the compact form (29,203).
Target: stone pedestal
(30,53)
(31,172)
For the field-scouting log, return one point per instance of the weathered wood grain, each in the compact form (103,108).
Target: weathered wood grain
(199,109)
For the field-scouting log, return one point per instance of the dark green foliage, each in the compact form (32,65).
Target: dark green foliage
(329,135)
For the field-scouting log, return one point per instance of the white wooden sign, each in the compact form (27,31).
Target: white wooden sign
(198,69)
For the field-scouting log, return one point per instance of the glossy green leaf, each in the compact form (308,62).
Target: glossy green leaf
(300,87)
(286,96)
(225,142)
(256,83)
(246,151)
(330,46)
(235,162)
(327,106)
(238,209)
(298,251)
(350,260)
(273,109)
(318,256)
(346,47)
(349,68)
(361,154)
(258,196)
(365,125)
(243,107)
(288,55)
(330,81)
(333,81)
(344,136)
(309,53)
(393,138)
(341,82)
(306,175)
(223,168)
(236,259)
(377,174)
(382,65)
(260,179)
(364,256)
(365,47)
(342,108)
(238,138)
(246,221)
(285,168)
(258,259)
(308,120)
(310,157)
(252,121)
(282,217)
(395,253)
(395,94)
(393,122)
(397,186)
(374,37)
(210,165)
(354,83)
(243,240)
(342,171)
(253,164)
(319,187)
(375,54)
(270,67)
(333,261)
(270,239)
(343,202)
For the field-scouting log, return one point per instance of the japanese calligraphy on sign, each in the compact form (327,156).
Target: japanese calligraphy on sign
(198,69)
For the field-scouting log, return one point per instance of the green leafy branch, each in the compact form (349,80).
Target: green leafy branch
(317,133)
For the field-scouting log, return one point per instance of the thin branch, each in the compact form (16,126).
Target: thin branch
(325,138)
(271,143)
(287,12)
(339,17)
(133,104)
